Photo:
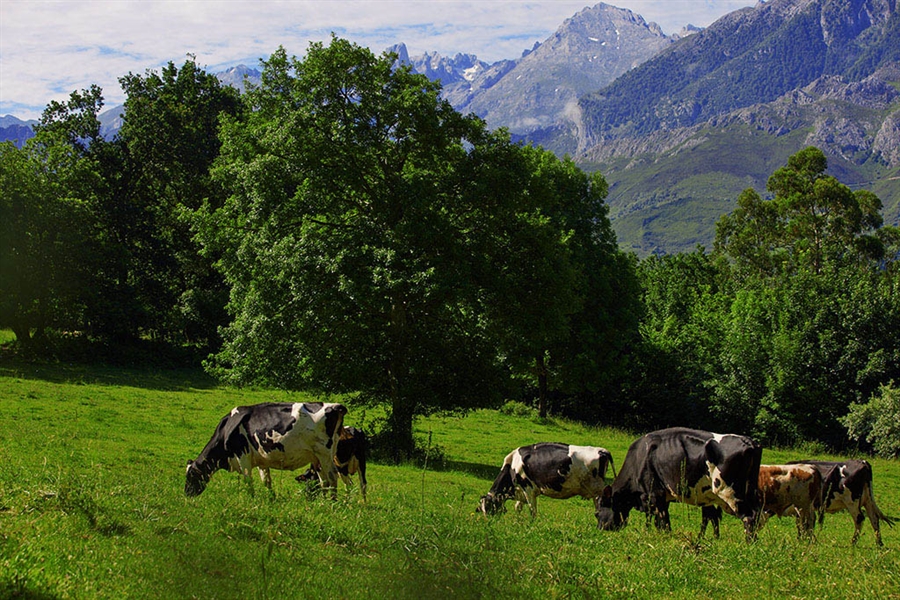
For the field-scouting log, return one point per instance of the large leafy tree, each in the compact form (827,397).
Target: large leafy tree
(564,298)
(51,248)
(377,241)
(804,334)
(811,220)
(168,142)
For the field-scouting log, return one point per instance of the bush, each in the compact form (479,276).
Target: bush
(877,421)
(514,408)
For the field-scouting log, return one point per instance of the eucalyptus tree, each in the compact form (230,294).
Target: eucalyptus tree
(377,241)
(811,219)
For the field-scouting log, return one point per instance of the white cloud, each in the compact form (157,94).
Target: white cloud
(49,48)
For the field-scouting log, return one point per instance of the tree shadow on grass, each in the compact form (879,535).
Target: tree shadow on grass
(146,377)
(488,472)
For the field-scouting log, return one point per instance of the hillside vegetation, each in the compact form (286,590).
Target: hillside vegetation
(92,505)
(682,135)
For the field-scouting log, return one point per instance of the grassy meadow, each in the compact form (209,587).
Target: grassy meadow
(92,506)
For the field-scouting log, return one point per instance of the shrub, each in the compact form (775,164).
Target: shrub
(514,408)
(877,422)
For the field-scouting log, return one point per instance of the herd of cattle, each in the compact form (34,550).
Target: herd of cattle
(717,472)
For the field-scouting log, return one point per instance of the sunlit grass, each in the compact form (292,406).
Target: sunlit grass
(92,506)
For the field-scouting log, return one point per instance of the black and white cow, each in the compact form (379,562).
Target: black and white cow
(549,468)
(710,470)
(349,459)
(273,435)
(848,486)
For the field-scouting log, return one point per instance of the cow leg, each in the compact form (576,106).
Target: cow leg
(762,518)
(266,476)
(360,467)
(661,511)
(521,499)
(858,517)
(328,473)
(246,467)
(532,495)
(872,512)
(664,523)
(711,514)
(806,523)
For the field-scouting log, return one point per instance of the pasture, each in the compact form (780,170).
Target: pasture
(92,505)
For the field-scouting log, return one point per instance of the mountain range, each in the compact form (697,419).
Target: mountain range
(680,124)
(679,137)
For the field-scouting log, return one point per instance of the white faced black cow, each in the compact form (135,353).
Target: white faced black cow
(349,459)
(274,435)
(709,470)
(848,486)
(552,469)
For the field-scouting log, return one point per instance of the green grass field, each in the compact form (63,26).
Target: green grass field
(92,506)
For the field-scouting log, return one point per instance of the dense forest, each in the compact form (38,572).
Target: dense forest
(339,228)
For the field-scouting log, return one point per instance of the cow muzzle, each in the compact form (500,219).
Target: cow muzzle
(490,505)
(195,481)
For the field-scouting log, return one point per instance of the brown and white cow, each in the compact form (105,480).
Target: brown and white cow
(794,489)
(349,459)
(713,471)
(273,435)
(848,486)
(555,470)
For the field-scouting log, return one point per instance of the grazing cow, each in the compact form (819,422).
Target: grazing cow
(709,470)
(552,469)
(791,489)
(274,435)
(349,459)
(848,486)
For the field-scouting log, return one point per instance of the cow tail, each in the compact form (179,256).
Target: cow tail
(881,516)
(612,465)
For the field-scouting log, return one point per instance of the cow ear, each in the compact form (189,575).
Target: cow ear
(713,452)
(607,492)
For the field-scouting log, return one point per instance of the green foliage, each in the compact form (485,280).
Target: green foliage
(517,409)
(95,237)
(377,241)
(877,421)
(812,220)
(781,328)
(182,298)
(48,247)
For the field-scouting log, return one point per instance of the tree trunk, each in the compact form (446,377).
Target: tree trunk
(23,335)
(541,367)
(401,426)
(402,409)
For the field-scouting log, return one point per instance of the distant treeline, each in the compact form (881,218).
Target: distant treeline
(341,229)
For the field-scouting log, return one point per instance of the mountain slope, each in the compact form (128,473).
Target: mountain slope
(588,51)
(15,130)
(680,137)
(747,57)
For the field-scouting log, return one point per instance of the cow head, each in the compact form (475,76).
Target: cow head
(608,518)
(491,504)
(733,463)
(196,479)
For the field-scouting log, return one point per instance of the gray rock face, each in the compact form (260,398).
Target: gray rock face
(586,53)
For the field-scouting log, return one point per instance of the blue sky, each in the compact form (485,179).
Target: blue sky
(48,48)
